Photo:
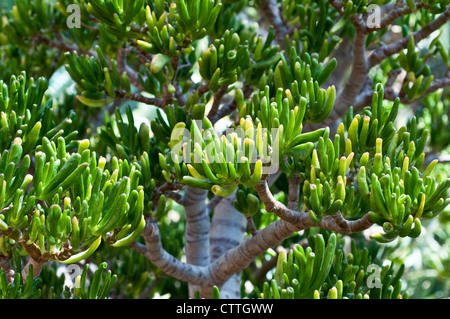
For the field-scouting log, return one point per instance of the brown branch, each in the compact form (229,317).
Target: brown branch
(239,257)
(365,98)
(166,189)
(338,5)
(442,158)
(60,45)
(351,96)
(294,192)
(203,88)
(140,98)
(217,100)
(358,74)
(303,221)
(340,225)
(229,108)
(37,268)
(390,82)
(123,66)
(223,111)
(395,13)
(272,14)
(386,51)
(177,197)
(138,247)
(32,250)
(251,226)
(436,85)
(274,206)
(197,275)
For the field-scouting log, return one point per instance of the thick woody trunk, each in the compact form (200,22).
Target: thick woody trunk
(227,231)
(197,230)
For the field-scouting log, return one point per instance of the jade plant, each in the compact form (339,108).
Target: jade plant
(275,134)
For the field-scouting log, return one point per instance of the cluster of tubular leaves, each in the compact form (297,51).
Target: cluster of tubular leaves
(419,77)
(130,144)
(100,284)
(97,80)
(434,115)
(327,189)
(373,168)
(72,200)
(317,21)
(26,116)
(29,20)
(321,270)
(26,18)
(18,288)
(123,138)
(358,6)
(133,270)
(186,21)
(227,18)
(133,145)
(162,127)
(247,202)
(94,202)
(300,79)
(264,56)
(218,163)
(222,163)
(402,192)
(49,285)
(222,62)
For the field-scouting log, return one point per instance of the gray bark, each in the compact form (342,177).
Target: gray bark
(227,231)
(197,230)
